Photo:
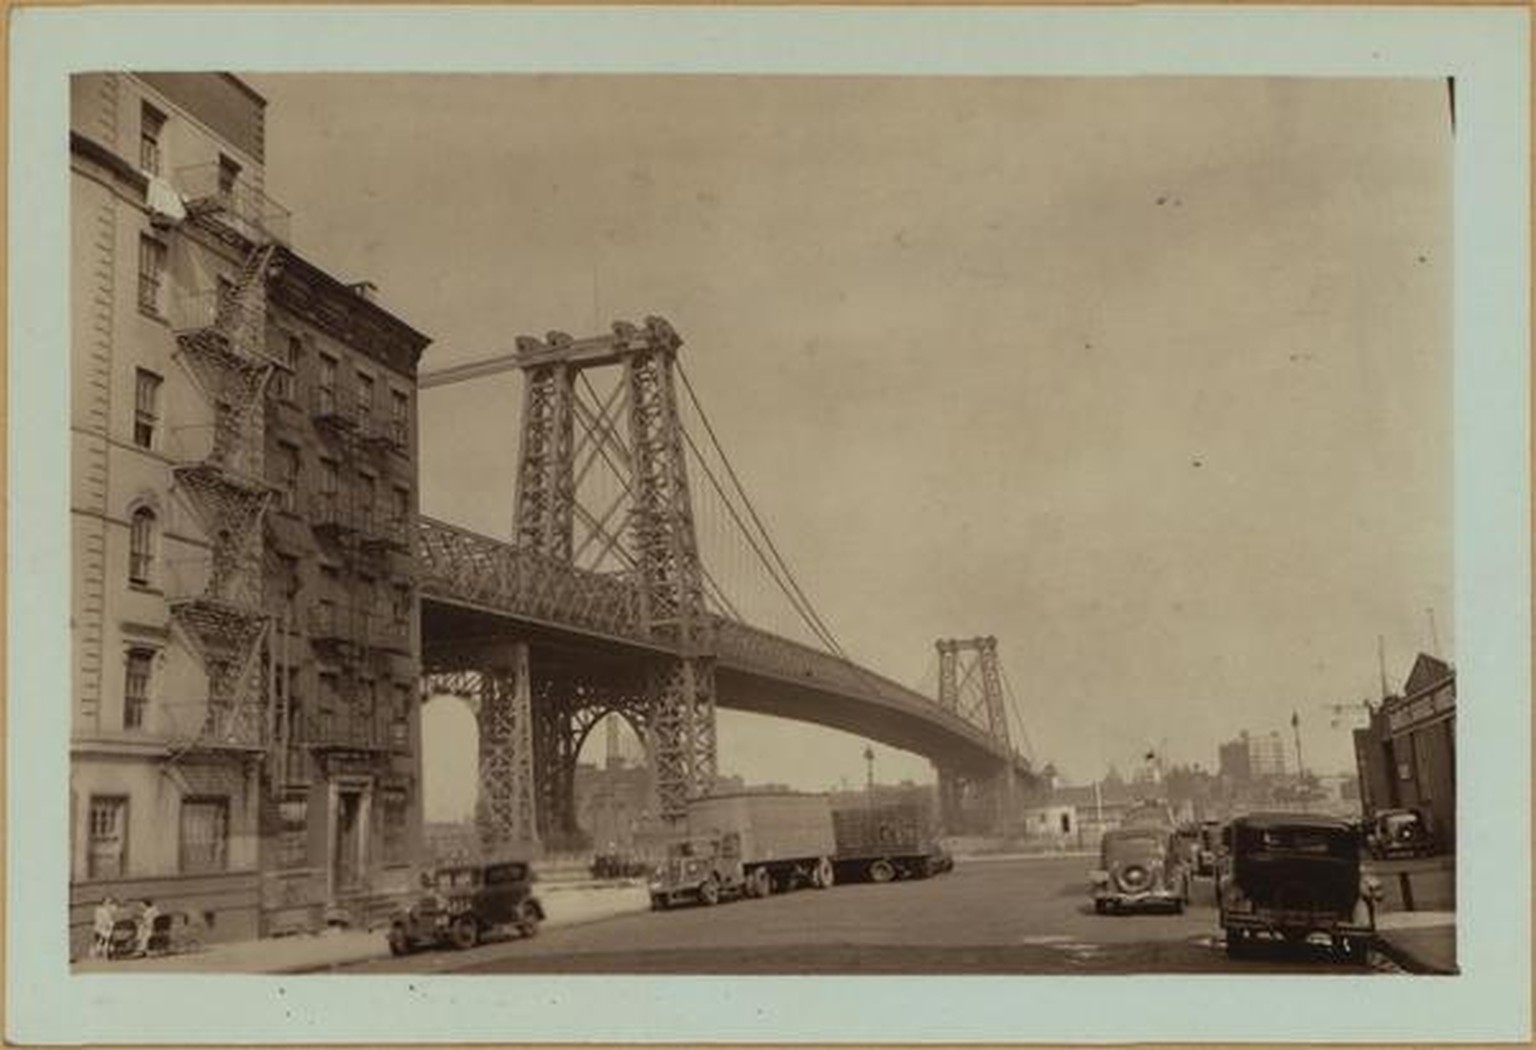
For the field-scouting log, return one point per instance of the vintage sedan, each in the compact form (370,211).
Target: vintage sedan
(1139,867)
(462,904)
(1293,877)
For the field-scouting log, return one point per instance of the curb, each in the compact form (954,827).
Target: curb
(334,964)
(1408,959)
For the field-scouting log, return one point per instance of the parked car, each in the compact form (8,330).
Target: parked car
(1293,876)
(1399,833)
(1139,866)
(461,904)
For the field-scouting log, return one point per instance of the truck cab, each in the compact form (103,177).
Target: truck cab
(704,870)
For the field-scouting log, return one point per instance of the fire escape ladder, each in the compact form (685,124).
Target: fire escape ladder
(226,618)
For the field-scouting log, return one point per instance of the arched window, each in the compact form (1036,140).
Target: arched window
(141,547)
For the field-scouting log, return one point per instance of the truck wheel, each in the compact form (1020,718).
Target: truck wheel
(881,871)
(658,902)
(1101,907)
(824,876)
(464,933)
(760,884)
(709,893)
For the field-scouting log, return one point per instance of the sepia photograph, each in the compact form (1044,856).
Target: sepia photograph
(699,524)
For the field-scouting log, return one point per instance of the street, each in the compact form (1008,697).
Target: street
(1005,916)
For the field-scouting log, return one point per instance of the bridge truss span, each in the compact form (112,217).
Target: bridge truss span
(468,567)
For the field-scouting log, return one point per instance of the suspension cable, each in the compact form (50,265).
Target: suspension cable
(1018,718)
(807,614)
(823,631)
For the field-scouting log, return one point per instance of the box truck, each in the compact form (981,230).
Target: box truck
(747,845)
(884,840)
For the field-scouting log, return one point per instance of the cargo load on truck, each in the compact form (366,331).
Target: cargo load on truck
(749,844)
(885,840)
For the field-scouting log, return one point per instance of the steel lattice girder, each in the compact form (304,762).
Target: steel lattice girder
(682,730)
(505,809)
(545,501)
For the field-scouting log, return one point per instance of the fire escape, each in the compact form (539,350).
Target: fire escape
(355,629)
(223,349)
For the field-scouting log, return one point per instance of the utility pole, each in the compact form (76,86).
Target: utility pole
(869,770)
(1296,732)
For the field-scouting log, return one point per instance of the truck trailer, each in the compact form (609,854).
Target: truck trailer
(748,845)
(881,841)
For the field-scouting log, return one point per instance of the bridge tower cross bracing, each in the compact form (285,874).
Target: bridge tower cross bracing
(656,540)
(971,686)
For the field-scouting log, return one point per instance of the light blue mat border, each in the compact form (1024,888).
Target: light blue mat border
(1484,48)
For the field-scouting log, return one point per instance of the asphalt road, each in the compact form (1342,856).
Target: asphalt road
(1013,916)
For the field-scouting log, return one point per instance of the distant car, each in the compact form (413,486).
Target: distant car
(1399,833)
(461,904)
(1292,876)
(1139,867)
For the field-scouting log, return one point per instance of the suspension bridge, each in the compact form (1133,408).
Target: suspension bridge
(609,599)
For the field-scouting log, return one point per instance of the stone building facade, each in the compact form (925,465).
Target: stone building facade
(245,742)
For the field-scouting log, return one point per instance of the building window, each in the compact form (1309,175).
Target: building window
(229,174)
(395,815)
(402,603)
(204,834)
(141,547)
(107,857)
(146,407)
(288,466)
(366,494)
(136,687)
(283,378)
(151,123)
(330,482)
(402,513)
(293,833)
(151,273)
(364,400)
(400,418)
(325,386)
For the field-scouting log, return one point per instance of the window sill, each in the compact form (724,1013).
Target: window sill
(145,588)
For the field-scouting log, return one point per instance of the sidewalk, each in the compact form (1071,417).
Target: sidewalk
(565,904)
(1419,941)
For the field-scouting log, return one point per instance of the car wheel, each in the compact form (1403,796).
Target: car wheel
(464,933)
(881,871)
(709,893)
(399,943)
(761,883)
(1237,943)
(1178,905)
(658,902)
(527,919)
(1101,907)
(824,876)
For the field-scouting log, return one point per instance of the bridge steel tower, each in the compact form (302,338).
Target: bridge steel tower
(532,729)
(971,686)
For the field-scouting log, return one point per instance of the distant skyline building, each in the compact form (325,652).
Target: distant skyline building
(1251,757)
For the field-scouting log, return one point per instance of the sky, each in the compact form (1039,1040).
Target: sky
(1149,378)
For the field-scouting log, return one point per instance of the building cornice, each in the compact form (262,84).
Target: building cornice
(311,294)
(92,150)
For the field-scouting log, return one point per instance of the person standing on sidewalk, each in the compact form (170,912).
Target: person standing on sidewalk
(148,913)
(104,918)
